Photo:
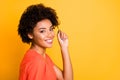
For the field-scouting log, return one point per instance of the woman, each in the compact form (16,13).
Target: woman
(36,27)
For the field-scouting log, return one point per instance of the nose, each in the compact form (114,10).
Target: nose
(51,34)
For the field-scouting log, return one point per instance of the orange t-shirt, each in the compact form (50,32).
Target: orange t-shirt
(35,67)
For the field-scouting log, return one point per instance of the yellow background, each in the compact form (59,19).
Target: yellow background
(93,27)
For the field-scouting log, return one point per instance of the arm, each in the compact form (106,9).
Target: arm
(35,70)
(67,73)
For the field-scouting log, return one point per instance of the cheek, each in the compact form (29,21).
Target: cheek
(38,36)
(41,37)
(53,34)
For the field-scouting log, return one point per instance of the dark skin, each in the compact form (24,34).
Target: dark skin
(42,38)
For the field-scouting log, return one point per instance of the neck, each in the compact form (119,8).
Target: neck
(38,49)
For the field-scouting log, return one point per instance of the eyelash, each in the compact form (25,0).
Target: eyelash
(51,29)
(42,31)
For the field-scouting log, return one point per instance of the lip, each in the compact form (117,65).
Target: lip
(49,41)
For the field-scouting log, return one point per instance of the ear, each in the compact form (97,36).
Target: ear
(30,35)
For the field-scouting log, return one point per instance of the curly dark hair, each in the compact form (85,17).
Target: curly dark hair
(31,16)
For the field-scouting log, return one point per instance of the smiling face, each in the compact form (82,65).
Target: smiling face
(43,34)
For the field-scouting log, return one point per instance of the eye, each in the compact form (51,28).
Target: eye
(42,31)
(52,28)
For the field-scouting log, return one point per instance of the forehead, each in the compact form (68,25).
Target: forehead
(46,23)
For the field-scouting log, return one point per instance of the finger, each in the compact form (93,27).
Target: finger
(58,34)
(62,35)
(65,36)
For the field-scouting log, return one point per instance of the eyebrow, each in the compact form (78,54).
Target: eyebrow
(45,28)
(42,28)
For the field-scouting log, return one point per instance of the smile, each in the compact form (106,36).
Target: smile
(49,41)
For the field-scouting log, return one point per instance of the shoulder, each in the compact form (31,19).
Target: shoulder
(32,55)
(31,58)
(49,60)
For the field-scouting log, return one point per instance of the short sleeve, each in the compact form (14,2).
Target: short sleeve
(36,70)
(49,60)
(35,67)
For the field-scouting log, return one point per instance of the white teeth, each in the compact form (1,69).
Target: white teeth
(49,40)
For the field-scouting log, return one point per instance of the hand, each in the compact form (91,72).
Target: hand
(62,39)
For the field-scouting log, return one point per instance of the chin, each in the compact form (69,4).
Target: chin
(48,46)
